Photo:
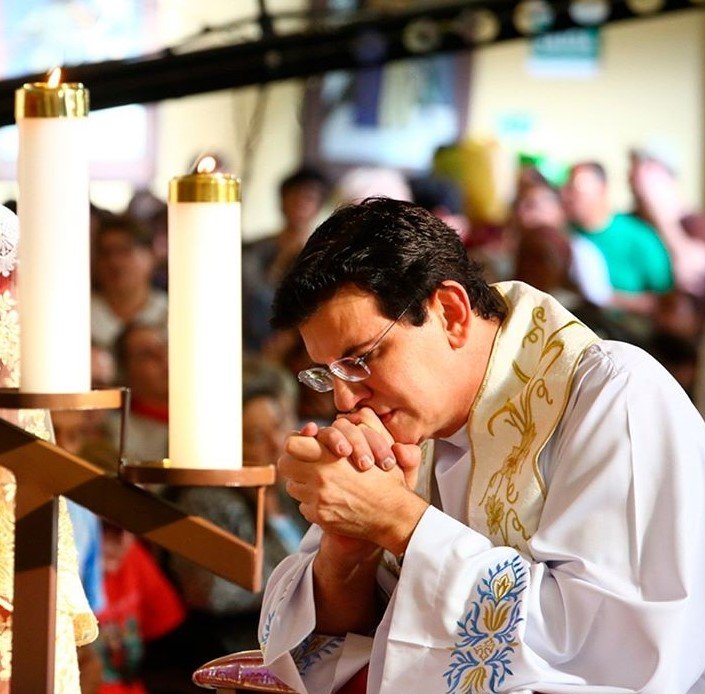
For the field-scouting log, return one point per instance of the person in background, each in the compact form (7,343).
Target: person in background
(152,213)
(287,349)
(142,606)
(143,366)
(269,414)
(123,265)
(302,195)
(638,263)
(544,259)
(538,206)
(223,616)
(658,202)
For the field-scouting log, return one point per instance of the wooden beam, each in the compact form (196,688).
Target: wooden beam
(55,472)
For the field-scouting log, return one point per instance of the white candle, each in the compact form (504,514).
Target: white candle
(205,333)
(53,252)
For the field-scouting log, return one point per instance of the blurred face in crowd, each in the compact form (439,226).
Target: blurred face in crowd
(70,430)
(146,363)
(301,204)
(539,206)
(121,264)
(116,543)
(655,188)
(585,196)
(266,421)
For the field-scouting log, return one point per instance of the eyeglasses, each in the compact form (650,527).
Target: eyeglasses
(350,369)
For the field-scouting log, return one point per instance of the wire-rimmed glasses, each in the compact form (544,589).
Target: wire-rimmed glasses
(350,369)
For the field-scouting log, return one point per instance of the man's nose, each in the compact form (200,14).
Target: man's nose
(347,396)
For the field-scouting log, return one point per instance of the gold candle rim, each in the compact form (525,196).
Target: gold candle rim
(39,100)
(205,187)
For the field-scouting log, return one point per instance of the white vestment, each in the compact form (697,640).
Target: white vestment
(612,601)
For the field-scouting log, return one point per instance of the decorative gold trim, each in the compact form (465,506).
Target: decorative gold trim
(516,412)
(39,100)
(205,187)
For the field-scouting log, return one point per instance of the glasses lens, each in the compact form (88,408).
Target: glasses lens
(317,378)
(350,369)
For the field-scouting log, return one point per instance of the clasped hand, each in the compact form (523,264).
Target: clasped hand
(352,479)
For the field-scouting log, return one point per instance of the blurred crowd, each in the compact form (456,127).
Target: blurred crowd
(636,275)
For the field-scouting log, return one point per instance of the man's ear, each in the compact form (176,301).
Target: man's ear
(453,305)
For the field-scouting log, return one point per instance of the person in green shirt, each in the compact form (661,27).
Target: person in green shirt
(638,263)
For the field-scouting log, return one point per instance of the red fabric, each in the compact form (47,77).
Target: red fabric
(357,684)
(141,605)
(155,412)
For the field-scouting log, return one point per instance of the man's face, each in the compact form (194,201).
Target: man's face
(538,206)
(265,425)
(302,203)
(121,263)
(147,363)
(408,385)
(584,192)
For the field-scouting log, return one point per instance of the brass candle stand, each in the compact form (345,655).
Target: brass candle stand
(162,472)
(45,471)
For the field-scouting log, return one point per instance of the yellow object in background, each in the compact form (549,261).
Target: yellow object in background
(484,173)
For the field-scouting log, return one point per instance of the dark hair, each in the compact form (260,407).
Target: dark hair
(119,348)
(126,224)
(393,249)
(594,166)
(305,176)
(672,349)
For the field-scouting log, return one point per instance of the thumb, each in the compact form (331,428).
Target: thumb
(408,457)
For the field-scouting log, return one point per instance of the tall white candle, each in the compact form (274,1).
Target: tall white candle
(205,334)
(53,251)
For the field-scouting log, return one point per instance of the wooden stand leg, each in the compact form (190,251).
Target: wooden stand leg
(34,611)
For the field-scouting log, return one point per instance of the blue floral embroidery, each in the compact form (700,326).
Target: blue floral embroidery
(312,649)
(481,657)
(266,629)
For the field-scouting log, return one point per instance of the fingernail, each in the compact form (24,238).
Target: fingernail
(388,463)
(342,449)
(365,462)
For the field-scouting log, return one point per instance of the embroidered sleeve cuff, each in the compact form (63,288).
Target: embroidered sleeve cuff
(314,649)
(438,542)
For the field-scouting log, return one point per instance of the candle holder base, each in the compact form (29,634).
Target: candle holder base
(98,399)
(101,399)
(164,472)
